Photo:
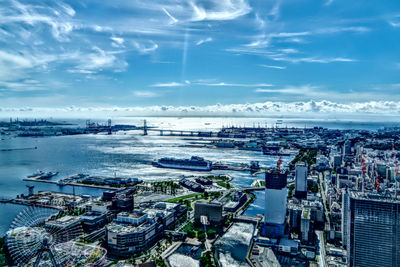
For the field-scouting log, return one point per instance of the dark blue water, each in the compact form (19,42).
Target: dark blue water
(257,207)
(127,155)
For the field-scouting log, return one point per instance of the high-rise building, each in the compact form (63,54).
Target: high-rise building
(347,148)
(305,224)
(301,180)
(275,203)
(373,230)
(345,216)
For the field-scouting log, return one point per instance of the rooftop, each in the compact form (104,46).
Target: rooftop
(63,221)
(381,197)
(122,228)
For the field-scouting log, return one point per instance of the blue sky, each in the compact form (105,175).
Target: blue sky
(201,56)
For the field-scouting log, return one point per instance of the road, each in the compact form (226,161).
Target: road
(326,211)
(322,252)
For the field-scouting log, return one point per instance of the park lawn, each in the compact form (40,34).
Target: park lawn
(177,199)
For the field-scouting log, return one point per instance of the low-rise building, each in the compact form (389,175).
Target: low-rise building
(93,220)
(134,232)
(236,201)
(212,210)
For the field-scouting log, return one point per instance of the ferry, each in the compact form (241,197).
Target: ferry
(193,164)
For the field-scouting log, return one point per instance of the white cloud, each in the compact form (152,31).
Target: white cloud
(312,59)
(58,19)
(331,30)
(99,60)
(275,11)
(170,84)
(145,48)
(117,41)
(222,10)
(17,66)
(235,84)
(272,66)
(304,90)
(329,2)
(288,34)
(202,41)
(209,82)
(173,19)
(145,94)
(268,108)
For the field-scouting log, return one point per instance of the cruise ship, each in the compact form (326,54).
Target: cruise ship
(194,164)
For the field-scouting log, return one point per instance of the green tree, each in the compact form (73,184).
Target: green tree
(211,233)
(201,236)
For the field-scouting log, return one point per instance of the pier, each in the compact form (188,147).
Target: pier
(70,180)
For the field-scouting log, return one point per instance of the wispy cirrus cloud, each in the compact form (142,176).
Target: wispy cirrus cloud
(203,41)
(329,2)
(222,10)
(224,84)
(118,42)
(146,94)
(169,84)
(209,82)
(304,90)
(321,60)
(78,43)
(272,67)
(173,19)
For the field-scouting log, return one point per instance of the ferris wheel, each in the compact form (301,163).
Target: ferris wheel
(31,242)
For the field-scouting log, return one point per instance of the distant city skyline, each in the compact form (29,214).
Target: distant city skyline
(193,58)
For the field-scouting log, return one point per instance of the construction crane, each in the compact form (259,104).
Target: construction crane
(396,174)
(279,163)
(377,181)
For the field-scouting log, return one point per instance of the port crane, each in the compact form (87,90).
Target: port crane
(279,163)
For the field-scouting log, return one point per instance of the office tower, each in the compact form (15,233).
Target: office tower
(373,237)
(275,203)
(345,216)
(305,224)
(301,180)
(347,148)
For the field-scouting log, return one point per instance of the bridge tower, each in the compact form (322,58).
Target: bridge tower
(109,129)
(144,127)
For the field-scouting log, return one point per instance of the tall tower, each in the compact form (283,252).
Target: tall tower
(301,180)
(144,127)
(345,226)
(109,129)
(275,203)
(346,148)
